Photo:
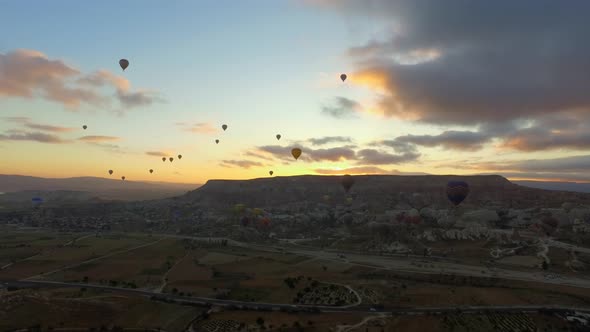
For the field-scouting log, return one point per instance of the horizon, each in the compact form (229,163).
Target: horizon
(394,114)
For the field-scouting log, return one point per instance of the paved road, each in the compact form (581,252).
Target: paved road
(403,264)
(276,306)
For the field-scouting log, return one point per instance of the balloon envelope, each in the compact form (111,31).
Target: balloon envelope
(122,178)
(163,158)
(278,137)
(296,152)
(124,63)
(457,191)
(170,159)
(347,182)
(216,141)
(224,127)
(151,170)
(343,77)
(110,171)
(84,126)
(271,172)
(179,156)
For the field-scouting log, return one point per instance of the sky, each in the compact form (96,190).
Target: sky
(433,87)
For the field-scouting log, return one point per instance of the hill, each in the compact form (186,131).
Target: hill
(563,186)
(106,189)
(378,191)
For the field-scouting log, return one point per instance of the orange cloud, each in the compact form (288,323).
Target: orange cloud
(98,139)
(198,128)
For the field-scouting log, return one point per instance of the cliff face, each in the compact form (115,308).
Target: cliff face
(378,191)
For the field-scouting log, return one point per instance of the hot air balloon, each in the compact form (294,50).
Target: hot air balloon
(278,137)
(84,126)
(216,141)
(343,77)
(124,63)
(224,127)
(347,182)
(110,171)
(170,159)
(179,156)
(296,152)
(151,170)
(457,191)
(271,173)
(37,201)
(164,159)
(123,178)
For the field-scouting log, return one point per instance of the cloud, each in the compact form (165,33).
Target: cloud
(331,154)
(198,128)
(33,136)
(329,139)
(375,157)
(26,122)
(353,170)
(257,155)
(31,74)
(451,140)
(99,139)
(519,59)
(158,153)
(240,163)
(343,108)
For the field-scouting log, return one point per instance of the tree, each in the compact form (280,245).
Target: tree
(545,265)
(260,321)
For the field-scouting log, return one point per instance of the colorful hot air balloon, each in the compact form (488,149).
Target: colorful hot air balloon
(296,152)
(170,159)
(164,159)
(110,171)
(123,178)
(224,127)
(179,156)
(151,170)
(124,63)
(216,141)
(457,191)
(278,137)
(347,182)
(343,77)
(84,126)
(271,173)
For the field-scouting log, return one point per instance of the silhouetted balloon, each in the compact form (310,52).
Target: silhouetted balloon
(296,152)
(151,170)
(123,178)
(164,159)
(347,182)
(216,141)
(278,137)
(457,191)
(271,173)
(343,77)
(179,156)
(224,127)
(170,159)
(110,171)
(124,63)
(84,126)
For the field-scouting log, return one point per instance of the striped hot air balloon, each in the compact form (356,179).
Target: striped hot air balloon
(457,191)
